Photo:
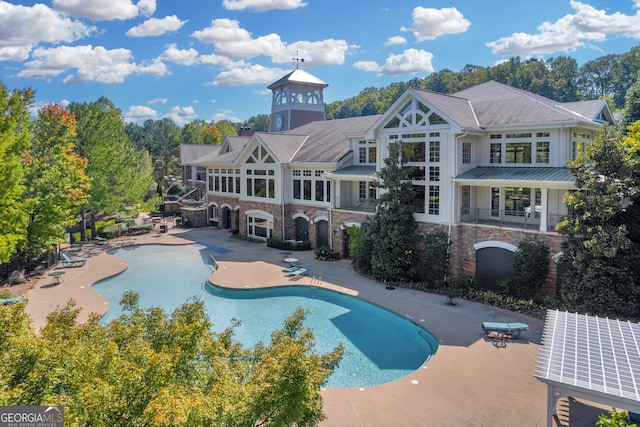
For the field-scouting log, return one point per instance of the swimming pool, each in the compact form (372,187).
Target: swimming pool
(379,345)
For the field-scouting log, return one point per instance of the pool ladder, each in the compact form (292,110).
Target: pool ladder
(316,282)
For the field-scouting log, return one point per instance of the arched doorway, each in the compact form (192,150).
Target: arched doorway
(213,215)
(494,262)
(227,218)
(322,233)
(302,229)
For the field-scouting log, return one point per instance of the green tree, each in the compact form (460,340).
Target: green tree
(15,136)
(55,180)
(600,279)
(391,231)
(120,180)
(226,128)
(162,139)
(632,104)
(158,369)
(614,419)
(595,78)
(564,79)
(259,123)
(192,132)
(212,135)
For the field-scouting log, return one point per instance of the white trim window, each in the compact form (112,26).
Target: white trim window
(367,152)
(579,143)
(260,174)
(311,185)
(259,225)
(466,153)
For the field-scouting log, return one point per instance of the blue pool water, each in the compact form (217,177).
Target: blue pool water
(379,345)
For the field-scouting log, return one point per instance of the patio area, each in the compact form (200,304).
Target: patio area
(468,382)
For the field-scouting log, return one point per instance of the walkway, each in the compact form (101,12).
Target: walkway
(468,381)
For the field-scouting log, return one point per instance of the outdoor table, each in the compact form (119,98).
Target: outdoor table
(56,277)
(291,260)
(451,294)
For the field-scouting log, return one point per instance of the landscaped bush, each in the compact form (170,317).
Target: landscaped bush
(503,301)
(175,189)
(530,267)
(433,255)
(288,245)
(325,253)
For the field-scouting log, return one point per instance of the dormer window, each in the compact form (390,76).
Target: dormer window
(367,152)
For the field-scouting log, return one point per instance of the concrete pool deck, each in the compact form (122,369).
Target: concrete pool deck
(467,382)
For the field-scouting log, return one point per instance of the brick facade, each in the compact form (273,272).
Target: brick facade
(463,254)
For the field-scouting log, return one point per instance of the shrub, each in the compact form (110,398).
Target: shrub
(433,257)
(325,253)
(530,266)
(175,189)
(355,239)
(288,245)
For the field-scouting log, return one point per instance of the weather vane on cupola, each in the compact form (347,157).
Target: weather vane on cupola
(297,59)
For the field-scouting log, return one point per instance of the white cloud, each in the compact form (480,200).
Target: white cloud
(262,5)
(138,113)
(369,66)
(91,64)
(233,42)
(224,115)
(411,61)
(570,32)
(252,74)
(21,28)
(106,10)
(156,27)
(395,40)
(157,101)
(182,115)
(220,61)
(269,45)
(323,52)
(429,24)
(180,56)
(222,30)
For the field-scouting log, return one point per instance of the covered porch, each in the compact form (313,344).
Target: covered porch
(519,197)
(353,188)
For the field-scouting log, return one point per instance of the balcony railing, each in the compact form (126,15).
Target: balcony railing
(503,218)
(355,204)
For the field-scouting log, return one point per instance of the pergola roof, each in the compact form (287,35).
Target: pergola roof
(590,357)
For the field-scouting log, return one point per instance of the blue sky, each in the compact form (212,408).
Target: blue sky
(213,59)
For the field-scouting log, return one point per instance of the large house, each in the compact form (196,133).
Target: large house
(489,169)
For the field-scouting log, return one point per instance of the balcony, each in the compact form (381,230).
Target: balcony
(355,204)
(503,218)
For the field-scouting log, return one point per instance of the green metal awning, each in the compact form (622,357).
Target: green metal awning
(353,173)
(551,177)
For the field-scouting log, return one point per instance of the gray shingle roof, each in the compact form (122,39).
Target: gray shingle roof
(326,141)
(589,109)
(189,153)
(217,153)
(497,104)
(457,109)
